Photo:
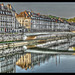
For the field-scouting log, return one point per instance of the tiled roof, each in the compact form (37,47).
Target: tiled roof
(24,14)
(29,14)
(8,6)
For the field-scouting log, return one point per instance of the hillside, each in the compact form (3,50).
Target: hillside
(71,20)
(55,17)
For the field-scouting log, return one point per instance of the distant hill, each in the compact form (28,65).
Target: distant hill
(59,18)
(71,20)
(51,16)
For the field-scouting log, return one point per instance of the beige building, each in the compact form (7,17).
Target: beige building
(24,61)
(23,21)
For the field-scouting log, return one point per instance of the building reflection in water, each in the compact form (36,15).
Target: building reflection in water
(7,64)
(28,61)
(24,60)
(57,58)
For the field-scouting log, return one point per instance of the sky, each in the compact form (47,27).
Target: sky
(59,9)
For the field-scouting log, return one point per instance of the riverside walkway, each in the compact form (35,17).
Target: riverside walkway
(45,39)
(50,52)
(41,38)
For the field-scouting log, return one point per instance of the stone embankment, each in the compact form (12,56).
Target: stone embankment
(11,37)
(37,39)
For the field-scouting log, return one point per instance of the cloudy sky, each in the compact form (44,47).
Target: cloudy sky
(60,9)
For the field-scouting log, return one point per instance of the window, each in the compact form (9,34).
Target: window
(20,20)
(3,12)
(26,20)
(13,19)
(23,21)
(20,24)
(3,18)
(6,13)
(1,29)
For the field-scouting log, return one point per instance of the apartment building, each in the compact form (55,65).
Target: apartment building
(23,21)
(72,27)
(44,23)
(29,21)
(7,18)
(39,23)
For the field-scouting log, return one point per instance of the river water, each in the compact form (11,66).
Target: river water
(36,62)
(51,64)
(23,60)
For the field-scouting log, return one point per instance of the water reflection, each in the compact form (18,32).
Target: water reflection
(7,64)
(23,62)
(30,60)
(17,60)
(38,63)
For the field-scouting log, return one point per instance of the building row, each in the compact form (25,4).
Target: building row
(7,18)
(29,21)
(35,22)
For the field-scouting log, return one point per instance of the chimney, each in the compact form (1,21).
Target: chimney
(2,4)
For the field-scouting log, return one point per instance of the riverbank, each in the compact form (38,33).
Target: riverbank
(49,51)
(50,39)
(53,50)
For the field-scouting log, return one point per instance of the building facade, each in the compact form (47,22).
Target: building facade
(23,21)
(29,21)
(72,27)
(7,18)
(44,23)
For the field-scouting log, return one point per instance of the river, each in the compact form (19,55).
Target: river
(42,58)
(51,64)
(31,61)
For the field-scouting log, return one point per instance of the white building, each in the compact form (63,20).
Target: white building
(44,23)
(7,18)
(8,64)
